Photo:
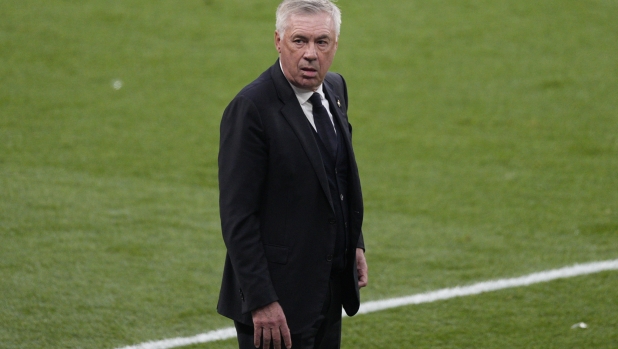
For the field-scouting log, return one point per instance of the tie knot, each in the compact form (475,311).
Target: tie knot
(316,100)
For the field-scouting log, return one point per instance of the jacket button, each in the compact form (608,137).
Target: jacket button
(332,221)
(341,197)
(329,258)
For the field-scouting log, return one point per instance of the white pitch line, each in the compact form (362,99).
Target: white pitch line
(446,293)
(212,336)
(488,286)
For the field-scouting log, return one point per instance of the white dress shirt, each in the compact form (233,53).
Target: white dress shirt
(303,98)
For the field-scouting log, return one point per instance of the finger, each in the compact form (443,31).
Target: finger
(266,337)
(362,278)
(287,336)
(276,337)
(257,336)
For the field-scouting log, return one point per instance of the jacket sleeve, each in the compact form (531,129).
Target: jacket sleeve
(243,166)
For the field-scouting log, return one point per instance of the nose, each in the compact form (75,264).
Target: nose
(310,53)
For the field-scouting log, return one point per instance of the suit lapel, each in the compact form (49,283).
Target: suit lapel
(338,115)
(297,120)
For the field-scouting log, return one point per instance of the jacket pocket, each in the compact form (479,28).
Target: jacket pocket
(276,254)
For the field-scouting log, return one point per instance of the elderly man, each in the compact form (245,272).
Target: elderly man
(290,196)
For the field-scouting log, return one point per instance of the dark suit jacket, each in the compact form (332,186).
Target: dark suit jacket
(277,217)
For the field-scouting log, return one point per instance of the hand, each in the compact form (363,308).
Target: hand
(361,267)
(269,323)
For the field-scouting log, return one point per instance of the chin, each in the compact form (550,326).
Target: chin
(312,83)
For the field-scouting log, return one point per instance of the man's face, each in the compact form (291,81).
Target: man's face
(307,49)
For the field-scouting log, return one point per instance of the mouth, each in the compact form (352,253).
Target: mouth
(309,72)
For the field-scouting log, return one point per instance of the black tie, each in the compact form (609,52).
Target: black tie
(324,126)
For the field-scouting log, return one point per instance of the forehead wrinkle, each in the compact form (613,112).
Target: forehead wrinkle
(303,36)
(308,26)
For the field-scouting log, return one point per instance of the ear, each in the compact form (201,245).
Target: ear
(278,41)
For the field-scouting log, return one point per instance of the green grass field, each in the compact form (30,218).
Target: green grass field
(486,134)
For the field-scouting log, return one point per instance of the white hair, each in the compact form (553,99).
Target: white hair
(288,8)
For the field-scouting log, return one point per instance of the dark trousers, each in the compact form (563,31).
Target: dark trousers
(325,333)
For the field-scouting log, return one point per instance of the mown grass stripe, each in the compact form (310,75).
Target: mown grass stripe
(446,293)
